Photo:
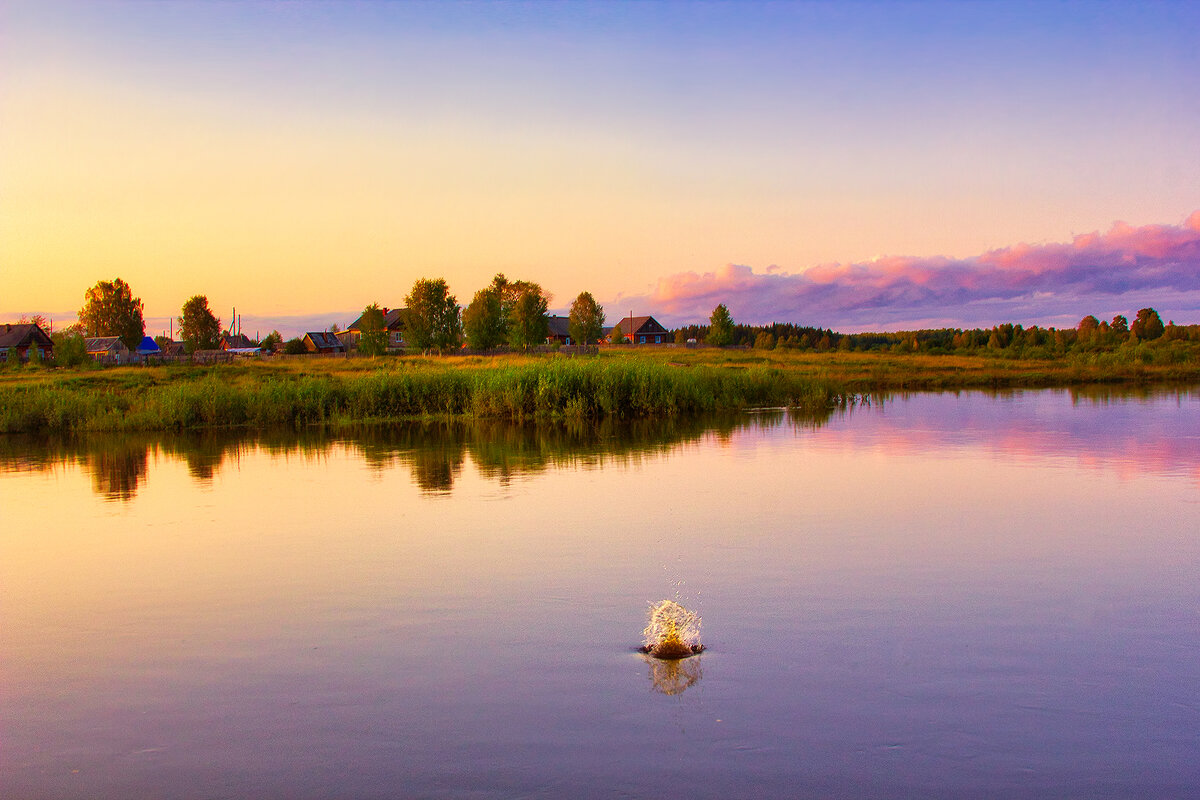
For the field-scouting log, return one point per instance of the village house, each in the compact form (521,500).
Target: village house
(559,330)
(323,342)
(395,320)
(170,347)
(235,341)
(641,330)
(108,349)
(21,336)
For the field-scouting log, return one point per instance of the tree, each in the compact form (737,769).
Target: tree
(720,326)
(295,347)
(586,320)
(110,309)
(1088,328)
(199,329)
(373,339)
(483,320)
(434,318)
(271,341)
(616,336)
(528,325)
(1120,325)
(1147,325)
(764,341)
(69,348)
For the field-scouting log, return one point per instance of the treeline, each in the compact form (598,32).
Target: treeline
(1007,340)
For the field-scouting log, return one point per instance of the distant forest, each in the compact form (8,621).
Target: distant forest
(1011,340)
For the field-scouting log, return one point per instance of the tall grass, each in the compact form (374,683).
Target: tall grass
(620,387)
(548,389)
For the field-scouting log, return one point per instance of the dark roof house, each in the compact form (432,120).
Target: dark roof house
(641,330)
(395,322)
(21,336)
(235,341)
(559,329)
(323,342)
(107,348)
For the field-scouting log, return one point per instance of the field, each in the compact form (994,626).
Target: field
(618,383)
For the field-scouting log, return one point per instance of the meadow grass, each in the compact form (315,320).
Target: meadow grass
(620,383)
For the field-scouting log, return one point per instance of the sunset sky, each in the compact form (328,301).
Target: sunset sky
(861,166)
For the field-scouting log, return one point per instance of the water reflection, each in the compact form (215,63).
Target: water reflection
(434,452)
(675,676)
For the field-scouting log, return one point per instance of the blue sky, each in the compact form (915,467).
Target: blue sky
(301,160)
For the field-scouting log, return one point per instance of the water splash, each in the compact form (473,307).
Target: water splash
(672,631)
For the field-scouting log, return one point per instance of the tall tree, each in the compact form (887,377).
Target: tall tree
(483,320)
(199,328)
(1088,328)
(586,320)
(372,340)
(720,326)
(528,322)
(434,318)
(1147,325)
(110,309)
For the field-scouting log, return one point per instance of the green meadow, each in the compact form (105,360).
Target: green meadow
(620,383)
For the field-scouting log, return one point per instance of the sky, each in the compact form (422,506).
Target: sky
(860,166)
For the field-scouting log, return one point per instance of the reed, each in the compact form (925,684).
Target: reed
(620,385)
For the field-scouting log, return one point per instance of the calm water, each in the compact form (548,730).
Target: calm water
(941,596)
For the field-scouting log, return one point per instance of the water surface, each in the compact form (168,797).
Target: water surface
(945,595)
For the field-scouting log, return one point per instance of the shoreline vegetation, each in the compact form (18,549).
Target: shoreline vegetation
(618,384)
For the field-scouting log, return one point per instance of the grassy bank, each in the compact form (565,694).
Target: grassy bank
(618,384)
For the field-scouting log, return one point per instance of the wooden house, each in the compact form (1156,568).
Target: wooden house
(641,330)
(395,322)
(323,342)
(108,349)
(235,341)
(21,336)
(559,330)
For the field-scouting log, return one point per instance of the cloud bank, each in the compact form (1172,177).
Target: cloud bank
(1119,271)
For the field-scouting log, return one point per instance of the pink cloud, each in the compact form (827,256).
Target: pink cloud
(1117,271)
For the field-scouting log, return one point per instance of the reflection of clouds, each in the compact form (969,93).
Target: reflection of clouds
(674,676)
(1128,432)
(1128,436)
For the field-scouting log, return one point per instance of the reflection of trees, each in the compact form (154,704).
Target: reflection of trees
(433,451)
(117,463)
(118,468)
(674,676)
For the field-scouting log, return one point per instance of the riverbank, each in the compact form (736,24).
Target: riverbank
(621,384)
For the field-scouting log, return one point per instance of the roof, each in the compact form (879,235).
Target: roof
(394,319)
(232,340)
(101,344)
(324,339)
(20,334)
(646,324)
(559,326)
(148,345)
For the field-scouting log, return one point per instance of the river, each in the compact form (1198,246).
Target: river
(937,595)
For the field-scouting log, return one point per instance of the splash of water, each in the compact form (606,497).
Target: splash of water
(672,631)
